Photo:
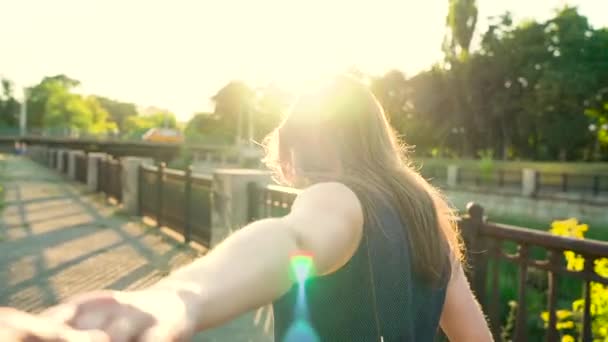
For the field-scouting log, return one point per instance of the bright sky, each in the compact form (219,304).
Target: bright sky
(176,54)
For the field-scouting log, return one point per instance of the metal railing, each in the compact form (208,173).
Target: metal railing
(530,251)
(489,245)
(180,200)
(109,179)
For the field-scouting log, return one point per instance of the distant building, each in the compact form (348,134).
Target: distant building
(163,135)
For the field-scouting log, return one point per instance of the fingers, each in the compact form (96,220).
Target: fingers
(87,311)
(162,333)
(20,326)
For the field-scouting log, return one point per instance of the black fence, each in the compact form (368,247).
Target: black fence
(81,167)
(180,200)
(511,179)
(507,264)
(109,178)
(595,185)
(547,183)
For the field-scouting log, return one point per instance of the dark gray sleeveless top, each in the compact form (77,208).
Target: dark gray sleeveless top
(340,306)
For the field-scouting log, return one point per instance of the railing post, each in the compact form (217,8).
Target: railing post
(252,201)
(564,182)
(452,180)
(501,178)
(128,186)
(530,180)
(187,204)
(230,196)
(140,175)
(159,193)
(596,185)
(477,250)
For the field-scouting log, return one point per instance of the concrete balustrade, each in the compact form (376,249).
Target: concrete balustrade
(72,154)
(231,200)
(93,159)
(130,182)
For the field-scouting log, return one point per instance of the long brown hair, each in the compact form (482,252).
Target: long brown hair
(340,133)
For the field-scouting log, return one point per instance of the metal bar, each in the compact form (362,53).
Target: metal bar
(520,318)
(554,259)
(187,200)
(159,194)
(589,262)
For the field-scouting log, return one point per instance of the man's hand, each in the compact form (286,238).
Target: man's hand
(18,326)
(153,315)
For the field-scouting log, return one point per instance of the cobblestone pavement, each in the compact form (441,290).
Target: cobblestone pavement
(57,240)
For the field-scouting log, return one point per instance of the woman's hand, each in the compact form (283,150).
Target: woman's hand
(146,315)
(18,326)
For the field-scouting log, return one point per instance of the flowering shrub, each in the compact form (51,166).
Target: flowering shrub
(570,321)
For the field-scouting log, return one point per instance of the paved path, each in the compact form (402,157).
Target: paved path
(57,240)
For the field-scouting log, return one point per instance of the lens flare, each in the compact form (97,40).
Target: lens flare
(301,331)
(302,266)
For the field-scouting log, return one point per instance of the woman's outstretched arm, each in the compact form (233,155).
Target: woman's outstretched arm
(249,269)
(252,267)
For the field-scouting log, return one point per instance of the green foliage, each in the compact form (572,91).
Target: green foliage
(521,94)
(136,126)
(119,112)
(486,164)
(235,105)
(461,21)
(9,106)
(55,107)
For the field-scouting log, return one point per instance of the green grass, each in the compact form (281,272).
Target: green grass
(550,167)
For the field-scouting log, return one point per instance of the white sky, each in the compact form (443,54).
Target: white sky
(176,54)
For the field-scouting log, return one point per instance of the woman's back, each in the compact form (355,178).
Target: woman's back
(341,305)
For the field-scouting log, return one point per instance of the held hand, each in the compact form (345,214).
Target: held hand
(146,315)
(18,326)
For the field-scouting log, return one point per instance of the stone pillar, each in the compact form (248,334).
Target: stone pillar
(52,156)
(61,154)
(130,182)
(231,201)
(72,162)
(452,179)
(93,169)
(528,182)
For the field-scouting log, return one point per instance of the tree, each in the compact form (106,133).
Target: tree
(119,111)
(461,21)
(9,106)
(38,97)
(136,126)
(232,103)
(520,95)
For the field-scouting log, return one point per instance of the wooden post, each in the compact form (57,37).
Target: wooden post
(252,201)
(140,182)
(564,182)
(187,199)
(477,250)
(159,193)
(596,185)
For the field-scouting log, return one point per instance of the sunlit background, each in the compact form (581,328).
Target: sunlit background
(177,54)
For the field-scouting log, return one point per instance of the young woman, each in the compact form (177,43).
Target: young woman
(385,253)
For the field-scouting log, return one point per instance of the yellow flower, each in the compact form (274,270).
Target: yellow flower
(569,228)
(564,325)
(601,267)
(563,314)
(574,261)
(568,338)
(544,316)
